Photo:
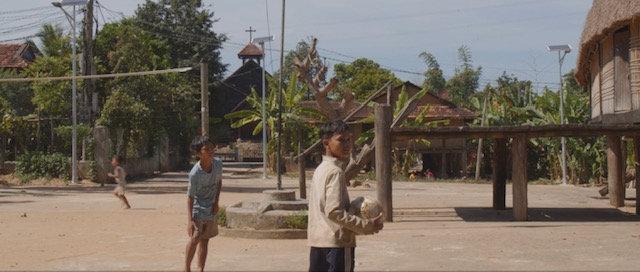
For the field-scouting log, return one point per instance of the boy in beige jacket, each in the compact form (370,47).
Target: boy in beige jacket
(332,229)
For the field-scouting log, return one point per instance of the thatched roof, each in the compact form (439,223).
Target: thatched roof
(604,16)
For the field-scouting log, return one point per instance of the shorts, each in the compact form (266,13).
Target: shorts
(119,190)
(331,259)
(204,229)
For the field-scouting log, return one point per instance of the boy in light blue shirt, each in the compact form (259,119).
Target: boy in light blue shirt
(203,194)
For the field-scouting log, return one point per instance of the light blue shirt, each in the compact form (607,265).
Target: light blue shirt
(203,188)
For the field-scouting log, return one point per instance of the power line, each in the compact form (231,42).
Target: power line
(24,10)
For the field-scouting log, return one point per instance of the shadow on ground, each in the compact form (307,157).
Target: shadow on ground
(475,214)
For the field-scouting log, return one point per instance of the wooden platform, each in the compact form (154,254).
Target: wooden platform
(519,136)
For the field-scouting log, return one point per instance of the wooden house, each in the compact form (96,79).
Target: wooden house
(443,157)
(17,56)
(609,61)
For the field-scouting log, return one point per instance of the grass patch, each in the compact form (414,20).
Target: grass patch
(297,221)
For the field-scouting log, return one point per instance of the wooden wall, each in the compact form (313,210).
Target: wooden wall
(607,80)
(615,76)
(634,63)
(596,105)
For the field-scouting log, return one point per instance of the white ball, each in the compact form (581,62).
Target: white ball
(366,207)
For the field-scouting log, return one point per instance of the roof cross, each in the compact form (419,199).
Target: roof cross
(250,30)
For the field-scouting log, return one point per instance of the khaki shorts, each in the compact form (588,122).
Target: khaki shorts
(205,229)
(119,190)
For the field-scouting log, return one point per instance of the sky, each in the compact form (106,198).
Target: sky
(503,35)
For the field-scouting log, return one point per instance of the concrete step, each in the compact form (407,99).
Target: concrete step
(296,205)
(243,218)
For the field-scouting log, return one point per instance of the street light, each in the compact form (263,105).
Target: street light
(74,135)
(261,41)
(562,50)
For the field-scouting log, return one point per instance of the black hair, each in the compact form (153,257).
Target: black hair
(199,142)
(327,130)
(118,158)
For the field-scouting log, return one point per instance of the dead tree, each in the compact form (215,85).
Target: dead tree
(312,71)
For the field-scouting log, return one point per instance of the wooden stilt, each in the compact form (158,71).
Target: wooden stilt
(636,149)
(519,178)
(499,177)
(614,169)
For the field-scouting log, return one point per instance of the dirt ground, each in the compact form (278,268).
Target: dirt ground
(438,226)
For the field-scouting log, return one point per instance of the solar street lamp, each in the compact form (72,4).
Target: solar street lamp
(74,134)
(261,41)
(562,50)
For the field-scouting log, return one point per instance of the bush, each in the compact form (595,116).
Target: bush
(221,217)
(297,221)
(32,165)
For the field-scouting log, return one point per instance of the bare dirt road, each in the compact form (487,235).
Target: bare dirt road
(438,227)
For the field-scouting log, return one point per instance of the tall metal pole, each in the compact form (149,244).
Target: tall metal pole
(74,133)
(264,116)
(204,98)
(563,139)
(279,132)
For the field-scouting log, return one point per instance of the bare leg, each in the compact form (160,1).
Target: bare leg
(202,253)
(125,201)
(191,250)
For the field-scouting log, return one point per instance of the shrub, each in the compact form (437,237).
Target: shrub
(297,221)
(221,217)
(32,165)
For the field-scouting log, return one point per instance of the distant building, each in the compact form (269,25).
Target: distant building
(17,56)
(609,61)
(443,157)
(229,96)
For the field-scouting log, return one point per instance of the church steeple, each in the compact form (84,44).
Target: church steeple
(251,51)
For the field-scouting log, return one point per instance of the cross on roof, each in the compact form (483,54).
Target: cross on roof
(250,30)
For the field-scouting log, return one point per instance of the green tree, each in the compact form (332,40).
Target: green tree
(54,42)
(186,27)
(294,117)
(434,80)
(363,77)
(464,82)
(169,98)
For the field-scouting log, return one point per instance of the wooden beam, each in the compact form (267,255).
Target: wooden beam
(636,149)
(519,177)
(499,176)
(570,130)
(614,171)
(383,116)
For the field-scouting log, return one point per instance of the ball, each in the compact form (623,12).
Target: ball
(366,207)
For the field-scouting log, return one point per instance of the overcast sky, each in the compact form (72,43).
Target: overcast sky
(503,35)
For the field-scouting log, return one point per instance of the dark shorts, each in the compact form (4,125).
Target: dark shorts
(331,259)
(205,229)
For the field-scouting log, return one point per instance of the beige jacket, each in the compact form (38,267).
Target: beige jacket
(330,223)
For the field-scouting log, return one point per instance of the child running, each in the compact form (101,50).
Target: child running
(203,193)
(332,229)
(121,183)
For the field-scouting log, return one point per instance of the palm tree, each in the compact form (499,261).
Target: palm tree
(294,116)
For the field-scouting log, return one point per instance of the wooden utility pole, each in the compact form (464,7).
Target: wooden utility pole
(204,98)
(382,126)
(89,110)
